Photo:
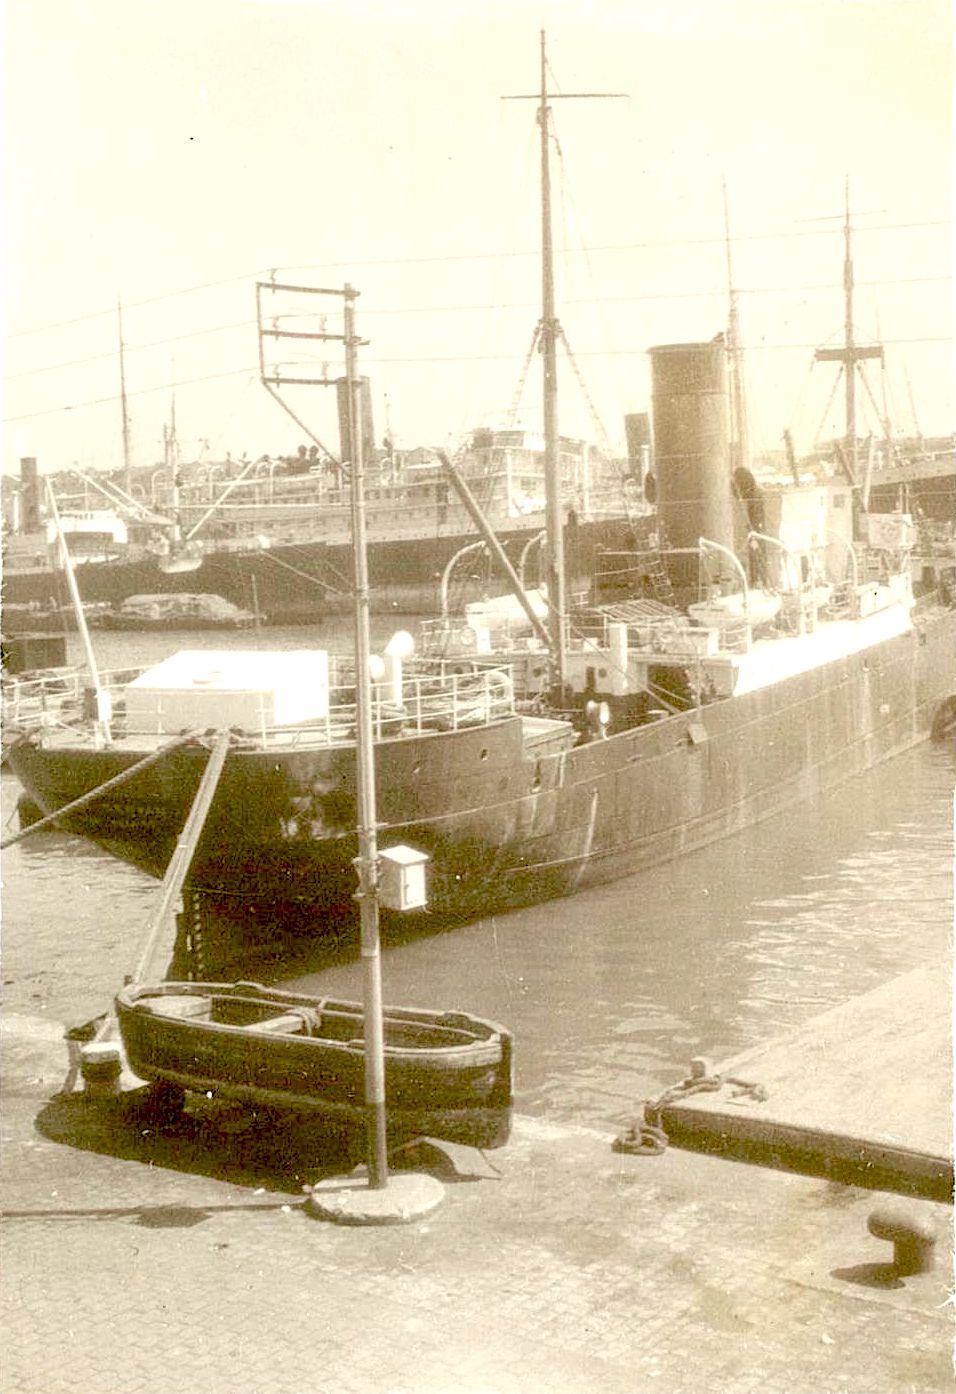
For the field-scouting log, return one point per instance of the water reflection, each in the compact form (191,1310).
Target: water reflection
(611,992)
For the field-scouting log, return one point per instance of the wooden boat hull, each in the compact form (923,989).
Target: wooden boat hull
(447,1074)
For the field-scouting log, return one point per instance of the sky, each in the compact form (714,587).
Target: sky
(166,155)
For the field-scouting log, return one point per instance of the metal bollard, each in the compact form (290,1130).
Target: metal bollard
(912,1236)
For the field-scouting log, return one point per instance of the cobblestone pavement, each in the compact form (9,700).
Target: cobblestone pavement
(138,1261)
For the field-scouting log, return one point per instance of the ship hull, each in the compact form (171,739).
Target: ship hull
(300,583)
(502,828)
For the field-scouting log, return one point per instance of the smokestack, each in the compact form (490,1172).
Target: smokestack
(637,428)
(368,427)
(691,450)
(30,495)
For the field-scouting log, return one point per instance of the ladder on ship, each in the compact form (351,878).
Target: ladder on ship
(660,580)
(924,531)
(649,539)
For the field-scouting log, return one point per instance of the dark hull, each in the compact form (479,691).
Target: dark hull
(501,827)
(301,583)
(930,486)
(447,1075)
(170,626)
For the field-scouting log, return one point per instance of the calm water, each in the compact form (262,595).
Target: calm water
(609,993)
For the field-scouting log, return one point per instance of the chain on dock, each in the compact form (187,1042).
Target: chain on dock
(647,1137)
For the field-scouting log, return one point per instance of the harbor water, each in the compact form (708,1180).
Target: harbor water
(609,993)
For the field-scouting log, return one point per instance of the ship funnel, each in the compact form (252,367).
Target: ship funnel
(691,450)
(29,495)
(368,427)
(637,427)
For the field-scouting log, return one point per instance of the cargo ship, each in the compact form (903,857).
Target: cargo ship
(783,654)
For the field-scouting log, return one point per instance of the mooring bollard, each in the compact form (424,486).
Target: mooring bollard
(913,1237)
(101,1066)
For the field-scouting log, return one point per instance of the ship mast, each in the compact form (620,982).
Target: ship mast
(851,354)
(740,444)
(554,521)
(549,332)
(127,477)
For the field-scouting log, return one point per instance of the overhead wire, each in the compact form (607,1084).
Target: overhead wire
(477,256)
(406,360)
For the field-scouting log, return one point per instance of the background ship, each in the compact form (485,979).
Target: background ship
(274,537)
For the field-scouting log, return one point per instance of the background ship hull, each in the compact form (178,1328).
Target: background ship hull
(501,828)
(299,583)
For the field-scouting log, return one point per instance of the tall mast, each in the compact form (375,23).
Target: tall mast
(173,442)
(548,333)
(554,520)
(740,444)
(850,355)
(127,480)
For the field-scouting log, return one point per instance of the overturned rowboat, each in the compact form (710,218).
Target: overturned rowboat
(447,1074)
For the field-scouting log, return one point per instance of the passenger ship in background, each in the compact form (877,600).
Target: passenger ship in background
(273,536)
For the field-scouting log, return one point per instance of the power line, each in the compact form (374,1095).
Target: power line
(132,305)
(252,370)
(620,246)
(717,292)
(484,256)
(428,358)
(129,348)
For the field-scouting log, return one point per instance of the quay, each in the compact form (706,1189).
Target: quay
(143,1261)
(862,1092)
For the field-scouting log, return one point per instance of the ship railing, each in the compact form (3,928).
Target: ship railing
(439,700)
(48,697)
(655,629)
(453,638)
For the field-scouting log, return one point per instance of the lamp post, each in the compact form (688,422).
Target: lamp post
(383,1200)
(367,861)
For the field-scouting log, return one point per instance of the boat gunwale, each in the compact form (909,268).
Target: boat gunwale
(492,1038)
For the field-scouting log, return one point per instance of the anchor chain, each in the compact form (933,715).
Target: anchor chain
(646,1137)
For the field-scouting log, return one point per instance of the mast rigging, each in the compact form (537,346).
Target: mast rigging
(851,355)
(546,335)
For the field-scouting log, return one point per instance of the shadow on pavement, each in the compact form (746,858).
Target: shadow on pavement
(279,1152)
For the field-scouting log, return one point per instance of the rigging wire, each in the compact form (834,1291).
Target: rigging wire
(135,304)
(407,360)
(474,256)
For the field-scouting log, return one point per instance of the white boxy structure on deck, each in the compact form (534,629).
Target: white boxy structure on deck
(247,689)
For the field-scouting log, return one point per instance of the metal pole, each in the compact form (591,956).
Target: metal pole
(367,861)
(552,463)
(101,724)
(740,446)
(182,857)
(493,545)
(127,467)
(850,346)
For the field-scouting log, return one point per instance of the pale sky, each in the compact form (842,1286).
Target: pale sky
(167,154)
